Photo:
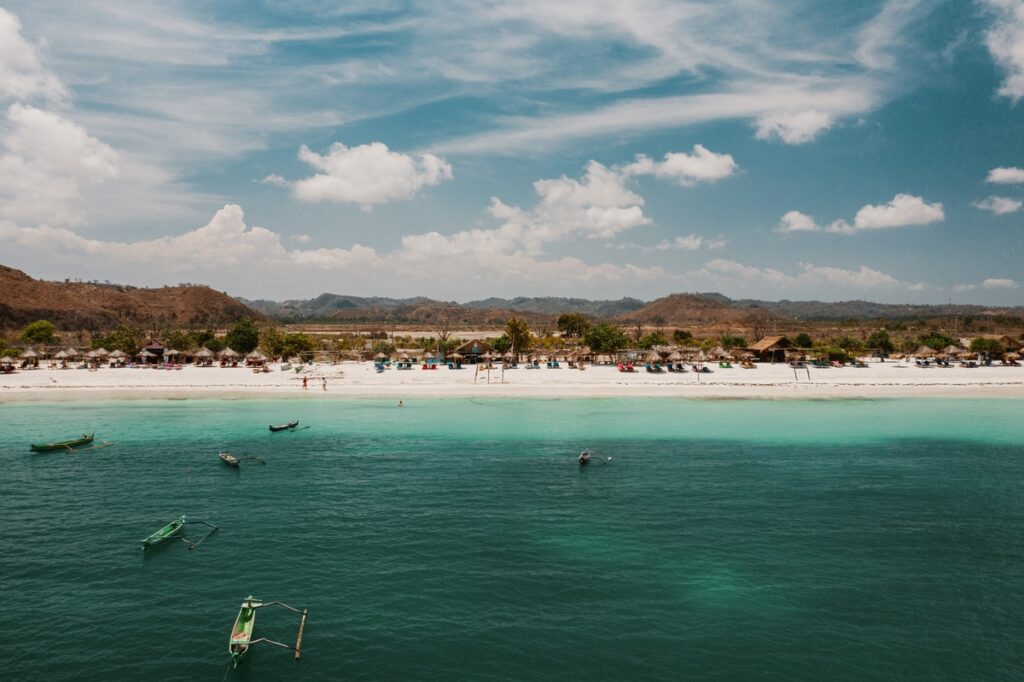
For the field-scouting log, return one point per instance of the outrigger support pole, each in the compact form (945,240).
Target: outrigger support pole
(193,545)
(302,626)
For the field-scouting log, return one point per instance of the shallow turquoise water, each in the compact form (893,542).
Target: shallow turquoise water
(458,539)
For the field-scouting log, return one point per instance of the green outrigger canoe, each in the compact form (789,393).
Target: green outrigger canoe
(85,439)
(241,634)
(165,533)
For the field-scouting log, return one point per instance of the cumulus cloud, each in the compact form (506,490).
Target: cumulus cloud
(45,161)
(795,221)
(999,283)
(703,165)
(902,210)
(1006,176)
(366,175)
(999,205)
(795,127)
(228,254)
(1005,40)
(22,74)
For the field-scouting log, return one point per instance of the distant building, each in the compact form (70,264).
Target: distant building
(472,350)
(771,348)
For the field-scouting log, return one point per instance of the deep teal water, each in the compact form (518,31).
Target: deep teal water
(458,539)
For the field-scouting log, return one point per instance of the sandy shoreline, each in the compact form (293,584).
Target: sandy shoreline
(359,380)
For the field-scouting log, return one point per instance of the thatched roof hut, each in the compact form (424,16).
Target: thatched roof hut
(925,352)
(771,348)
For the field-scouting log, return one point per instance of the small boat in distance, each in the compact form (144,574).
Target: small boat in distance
(84,439)
(229,459)
(585,458)
(165,533)
(284,427)
(241,634)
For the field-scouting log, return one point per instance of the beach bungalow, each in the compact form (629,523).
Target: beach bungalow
(156,351)
(1005,340)
(771,348)
(473,351)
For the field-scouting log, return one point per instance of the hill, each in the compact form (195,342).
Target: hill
(92,306)
(552,305)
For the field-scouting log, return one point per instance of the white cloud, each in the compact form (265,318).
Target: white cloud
(22,74)
(690,242)
(999,283)
(45,162)
(687,170)
(999,205)
(810,277)
(367,174)
(902,210)
(796,127)
(1005,42)
(964,287)
(1006,176)
(795,221)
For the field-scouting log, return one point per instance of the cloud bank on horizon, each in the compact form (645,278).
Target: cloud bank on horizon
(603,149)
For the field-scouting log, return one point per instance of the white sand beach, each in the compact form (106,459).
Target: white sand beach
(359,379)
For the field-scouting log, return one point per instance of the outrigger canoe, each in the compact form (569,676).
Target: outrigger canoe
(283,427)
(585,458)
(230,460)
(241,634)
(165,533)
(85,439)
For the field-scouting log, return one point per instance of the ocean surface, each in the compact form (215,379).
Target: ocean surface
(460,540)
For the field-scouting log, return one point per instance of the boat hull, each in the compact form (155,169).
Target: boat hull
(230,460)
(284,427)
(165,533)
(63,445)
(241,632)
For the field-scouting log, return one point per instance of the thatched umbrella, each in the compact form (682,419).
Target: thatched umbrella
(675,356)
(29,354)
(487,356)
(92,355)
(455,356)
(62,355)
(73,353)
(6,360)
(118,354)
(653,356)
(967,355)
(172,353)
(256,355)
(102,352)
(925,352)
(380,356)
(228,353)
(508,356)
(951,349)
(1011,356)
(204,353)
(145,354)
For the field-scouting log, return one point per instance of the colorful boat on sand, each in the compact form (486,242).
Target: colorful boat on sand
(84,439)
(241,639)
(165,533)
(284,427)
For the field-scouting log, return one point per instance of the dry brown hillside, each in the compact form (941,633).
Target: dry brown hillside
(697,309)
(79,305)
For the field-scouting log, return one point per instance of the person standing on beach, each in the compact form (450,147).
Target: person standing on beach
(305,382)
(325,383)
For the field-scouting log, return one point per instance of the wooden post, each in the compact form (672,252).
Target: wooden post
(298,642)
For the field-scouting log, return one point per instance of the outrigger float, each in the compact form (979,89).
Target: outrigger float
(70,445)
(173,530)
(233,461)
(241,634)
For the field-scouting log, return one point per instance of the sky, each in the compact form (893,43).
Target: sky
(859,149)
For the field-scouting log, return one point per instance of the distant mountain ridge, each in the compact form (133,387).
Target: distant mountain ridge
(676,309)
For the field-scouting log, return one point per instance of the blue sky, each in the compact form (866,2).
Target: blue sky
(460,150)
